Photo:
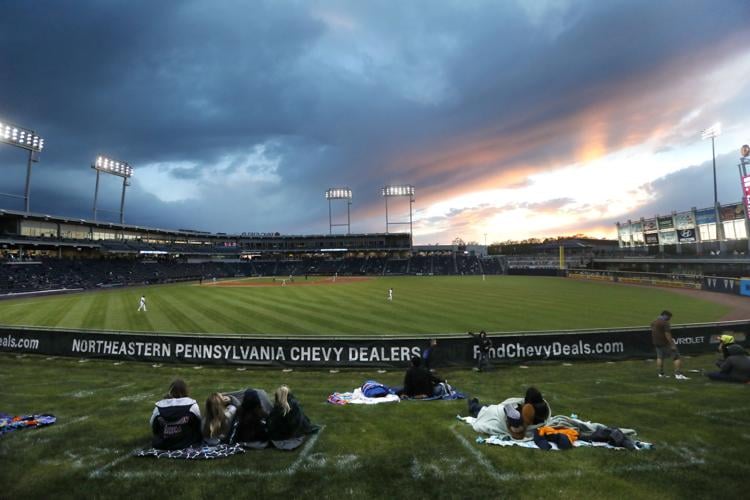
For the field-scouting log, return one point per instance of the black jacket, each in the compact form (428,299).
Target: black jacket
(419,381)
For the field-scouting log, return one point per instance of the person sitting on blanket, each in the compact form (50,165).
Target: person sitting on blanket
(418,382)
(217,422)
(251,419)
(287,420)
(176,419)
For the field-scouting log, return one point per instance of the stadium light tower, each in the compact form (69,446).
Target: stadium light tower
(400,191)
(114,167)
(745,180)
(25,139)
(343,193)
(712,133)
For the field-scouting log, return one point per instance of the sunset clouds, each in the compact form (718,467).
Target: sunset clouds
(512,119)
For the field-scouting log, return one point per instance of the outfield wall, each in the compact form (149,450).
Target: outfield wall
(321,352)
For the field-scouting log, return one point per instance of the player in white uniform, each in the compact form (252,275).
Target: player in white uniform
(390,295)
(142,304)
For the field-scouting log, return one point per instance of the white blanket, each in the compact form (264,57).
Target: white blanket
(357,398)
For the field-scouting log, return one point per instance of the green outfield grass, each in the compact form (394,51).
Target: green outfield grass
(421,305)
(403,450)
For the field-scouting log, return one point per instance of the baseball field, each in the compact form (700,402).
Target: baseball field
(359,306)
(400,450)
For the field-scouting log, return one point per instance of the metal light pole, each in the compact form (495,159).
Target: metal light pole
(404,191)
(114,167)
(125,184)
(96,192)
(25,139)
(712,133)
(339,194)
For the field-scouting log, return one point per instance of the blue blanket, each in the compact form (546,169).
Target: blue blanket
(10,423)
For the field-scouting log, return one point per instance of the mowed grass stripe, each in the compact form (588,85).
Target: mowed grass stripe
(422,305)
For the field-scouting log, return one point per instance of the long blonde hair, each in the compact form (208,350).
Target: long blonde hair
(215,423)
(281,398)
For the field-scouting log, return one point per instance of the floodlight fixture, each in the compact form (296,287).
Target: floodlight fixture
(27,139)
(712,133)
(114,167)
(405,190)
(339,193)
(20,137)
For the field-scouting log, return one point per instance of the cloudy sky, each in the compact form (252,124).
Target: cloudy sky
(511,118)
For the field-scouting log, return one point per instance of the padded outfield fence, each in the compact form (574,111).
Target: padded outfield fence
(730,285)
(335,352)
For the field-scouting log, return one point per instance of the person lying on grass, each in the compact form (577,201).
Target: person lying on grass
(176,419)
(418,382)
(287,420)
(517,418)
(219,415)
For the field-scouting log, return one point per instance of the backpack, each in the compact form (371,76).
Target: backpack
(372,389)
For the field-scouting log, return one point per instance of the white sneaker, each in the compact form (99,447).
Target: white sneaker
(680,376)
(661,375)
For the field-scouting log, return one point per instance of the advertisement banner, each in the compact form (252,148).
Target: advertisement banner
(684,220)
(651,238)
(396,352)
(746,192)
(722,285)
(705,216)
(650,225)
(732,212)
(686,236)
(668,238)
(666,222)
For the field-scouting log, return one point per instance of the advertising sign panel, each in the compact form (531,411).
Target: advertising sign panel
(705,216)
(669,238)
(732,212)
(666,222)
(686,235)
(651,238)
(649,225)
(684,220)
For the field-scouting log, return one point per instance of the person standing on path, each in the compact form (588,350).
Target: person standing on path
(661,337)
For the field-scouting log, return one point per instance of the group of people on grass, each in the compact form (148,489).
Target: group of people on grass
(734,363)
(250,416)
(239,417)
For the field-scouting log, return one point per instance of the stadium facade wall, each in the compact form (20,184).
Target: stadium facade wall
(458,351)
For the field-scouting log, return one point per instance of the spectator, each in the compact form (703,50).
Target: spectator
(287,420)
(175,421)
(485,344)
(735,368)
(251,417)
(418,382)
(661,336)
(218,418)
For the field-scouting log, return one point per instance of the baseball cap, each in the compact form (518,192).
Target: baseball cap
(726,339)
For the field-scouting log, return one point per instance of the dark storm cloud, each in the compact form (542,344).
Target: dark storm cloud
(445,95)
